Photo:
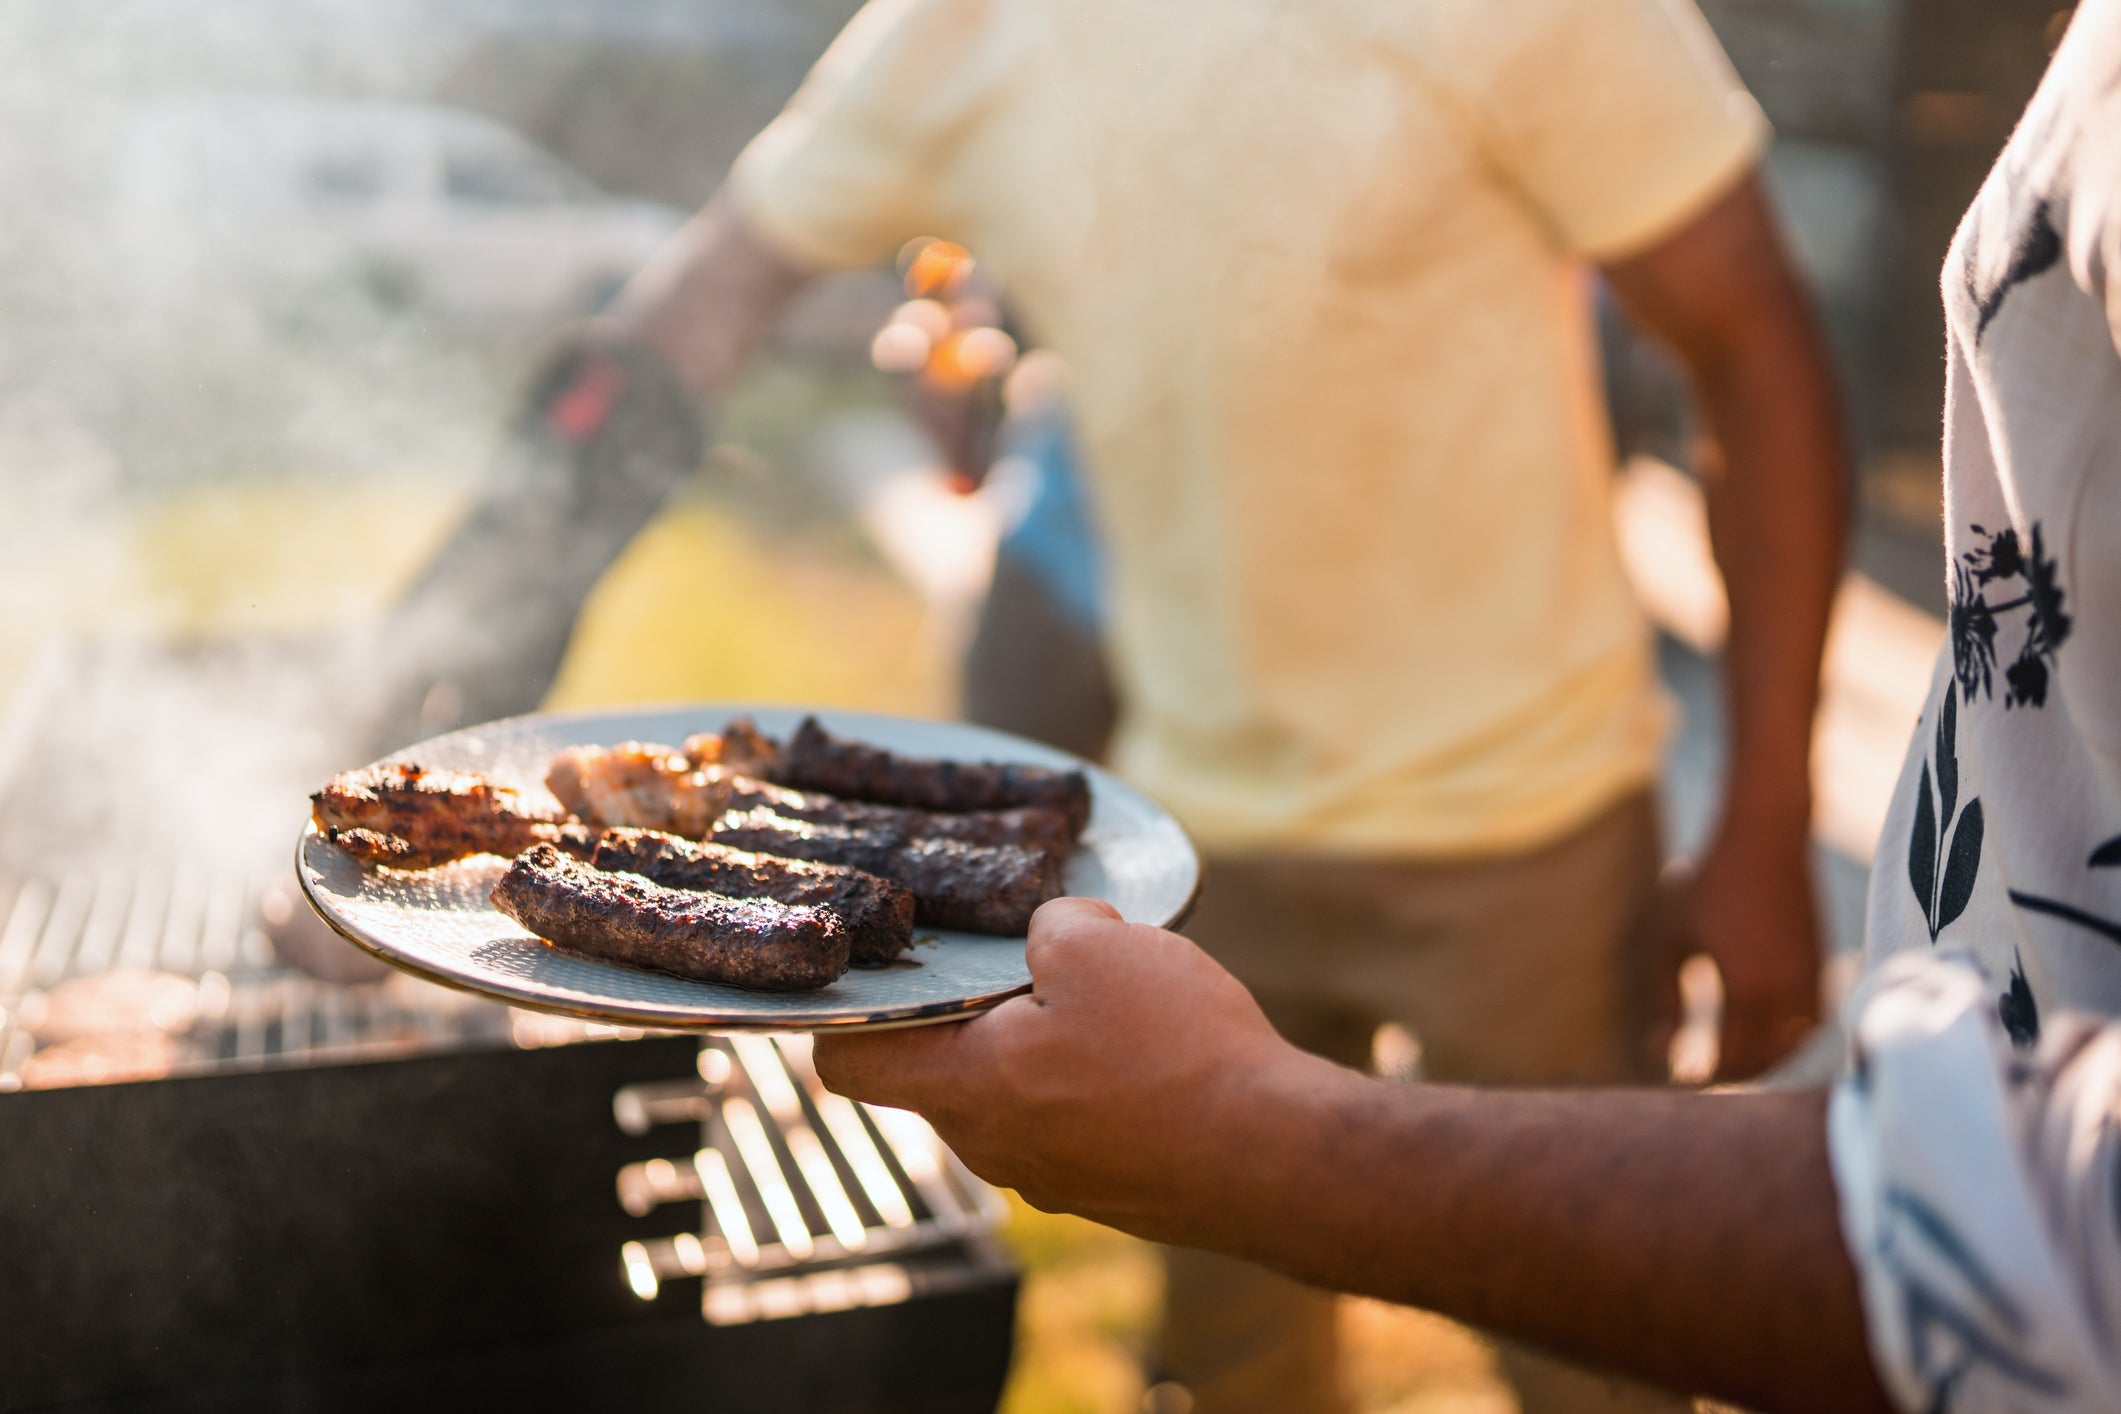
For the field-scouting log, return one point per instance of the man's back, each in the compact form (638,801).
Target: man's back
(1314,269)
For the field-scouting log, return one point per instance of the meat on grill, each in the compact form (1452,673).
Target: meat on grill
(878,914)
(636,785)
(1029,827)
(408,817)
(814,759)
(757,943)
(975,888)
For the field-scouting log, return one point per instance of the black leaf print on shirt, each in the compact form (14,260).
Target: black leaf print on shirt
(2017,1010)
(1938,839)
(2068,912)
(2034,248)
(2106,856)
(1999,558)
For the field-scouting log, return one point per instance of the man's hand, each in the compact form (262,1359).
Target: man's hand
(1749,907)
(1691,1239)
(1108,1091)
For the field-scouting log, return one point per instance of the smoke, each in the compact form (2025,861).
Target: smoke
(228,306)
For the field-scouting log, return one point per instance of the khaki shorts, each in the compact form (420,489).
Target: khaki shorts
(1520,970)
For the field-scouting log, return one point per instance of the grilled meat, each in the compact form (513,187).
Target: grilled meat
(1031,827)
(878,913)
(739,748)
(756,943)
(638,785)
(814,759)
(644,786)
(408,817)
(976,888)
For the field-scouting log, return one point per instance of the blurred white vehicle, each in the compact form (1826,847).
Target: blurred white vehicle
(412,207)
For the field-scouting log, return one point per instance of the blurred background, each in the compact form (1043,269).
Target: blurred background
(272,276)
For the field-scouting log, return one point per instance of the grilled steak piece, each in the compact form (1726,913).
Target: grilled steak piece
(636,784)
(976,888)
(878,914)
(408,817)
(814,759)
(756,943)
(1030,827)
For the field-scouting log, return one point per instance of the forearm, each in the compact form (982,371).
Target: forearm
(710,298)
(1688,1239)
(1775,470)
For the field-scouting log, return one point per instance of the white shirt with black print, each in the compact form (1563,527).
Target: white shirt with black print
(1977,1139)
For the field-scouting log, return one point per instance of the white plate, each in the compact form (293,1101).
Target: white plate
(437,923)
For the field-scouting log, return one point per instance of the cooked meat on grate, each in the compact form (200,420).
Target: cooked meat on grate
(638,785)
(116,1059)
(814,759)
(877,912)
(1030,827)
(125,999)
(976,888)
(409,817)
(756,943)
(739,748)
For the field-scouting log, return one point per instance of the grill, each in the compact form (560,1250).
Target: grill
(808,1202)
(322,1196)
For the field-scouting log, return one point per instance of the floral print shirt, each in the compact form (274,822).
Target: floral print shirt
(1977,1138)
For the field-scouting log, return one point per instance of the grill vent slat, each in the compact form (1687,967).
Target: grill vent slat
(105,925)
(25,923)
(805,1205)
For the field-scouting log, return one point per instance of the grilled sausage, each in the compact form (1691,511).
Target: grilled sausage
(878,914)
(976,888)
(756,943)
(814,759)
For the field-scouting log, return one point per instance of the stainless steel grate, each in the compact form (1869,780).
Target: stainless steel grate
(197,920)
(808,1202)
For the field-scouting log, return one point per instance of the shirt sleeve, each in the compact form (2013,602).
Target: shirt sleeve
(859,161)
(1978,1196)
(1617,119)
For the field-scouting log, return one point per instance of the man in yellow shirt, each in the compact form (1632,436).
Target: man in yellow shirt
(1319,273)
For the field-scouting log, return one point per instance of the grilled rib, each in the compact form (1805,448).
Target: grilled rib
(755,943)
(878,913)
(976,888)
(408,817)
(814,759)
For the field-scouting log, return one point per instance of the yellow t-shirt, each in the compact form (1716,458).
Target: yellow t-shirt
(1317,271)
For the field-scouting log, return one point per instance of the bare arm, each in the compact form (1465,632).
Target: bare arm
(710,298)
(1723,296)
(1691,1239)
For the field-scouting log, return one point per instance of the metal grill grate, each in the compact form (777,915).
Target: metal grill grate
(808,1201)
(198,921)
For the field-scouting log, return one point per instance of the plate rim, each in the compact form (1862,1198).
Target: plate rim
(881,1019)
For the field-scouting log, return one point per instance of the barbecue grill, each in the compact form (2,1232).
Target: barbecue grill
(324,1196)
